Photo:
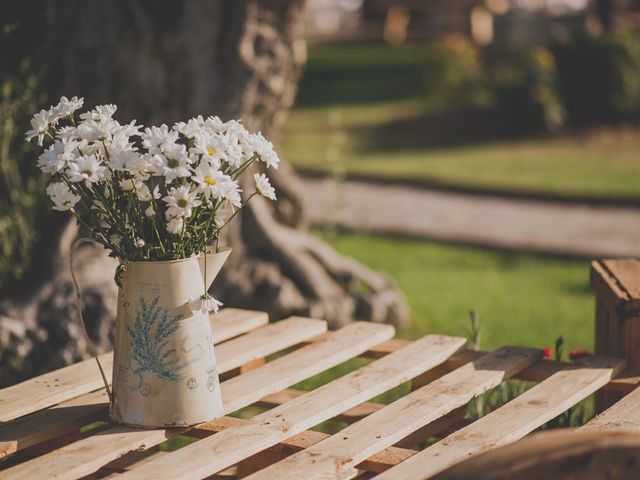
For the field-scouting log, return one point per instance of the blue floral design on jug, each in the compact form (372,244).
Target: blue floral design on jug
(151,342)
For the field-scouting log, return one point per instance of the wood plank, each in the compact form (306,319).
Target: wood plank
(232,322)
(83,377)
(378,462)
(227,448)
(68,416)
(606,285)
(560,453)
(352,415)
(303,363)
(56,421)
(267,340)
(84,457)
(624,415)
(53,387)
(384,428)
(624,383)
(512,421)
(627,274)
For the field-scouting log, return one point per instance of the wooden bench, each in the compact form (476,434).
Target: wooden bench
(43,420)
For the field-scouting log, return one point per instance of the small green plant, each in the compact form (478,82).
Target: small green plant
(480,406)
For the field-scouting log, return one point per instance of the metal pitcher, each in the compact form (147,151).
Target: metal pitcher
(164,368)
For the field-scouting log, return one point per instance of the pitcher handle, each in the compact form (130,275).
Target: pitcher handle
(92,346)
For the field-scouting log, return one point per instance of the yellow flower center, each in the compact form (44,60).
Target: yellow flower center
(209,180)
(182,203)
(211,151)
(171,163)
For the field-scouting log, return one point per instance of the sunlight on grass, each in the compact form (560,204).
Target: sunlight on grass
(334,137)
(521,299)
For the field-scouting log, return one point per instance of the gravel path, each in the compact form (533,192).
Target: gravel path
(559,228)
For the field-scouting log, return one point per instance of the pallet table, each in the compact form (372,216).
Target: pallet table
(43,420)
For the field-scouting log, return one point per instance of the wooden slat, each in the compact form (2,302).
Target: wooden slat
(305,362)
(53,387)
(624,383)
(266,340)
(83,377)
(384,428)
(352,415)
(60,420)
(70,415)
(512,421)
(378,462)
(624,415)
(220,451)
(85,456)
(231,322)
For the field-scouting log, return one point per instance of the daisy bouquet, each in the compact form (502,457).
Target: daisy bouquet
(155,193)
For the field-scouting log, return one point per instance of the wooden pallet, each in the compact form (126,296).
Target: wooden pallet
(42,419)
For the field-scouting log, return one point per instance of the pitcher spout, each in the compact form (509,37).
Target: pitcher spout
(214,262)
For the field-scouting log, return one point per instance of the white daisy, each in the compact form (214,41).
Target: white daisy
(150,212)
(87,168)
(144,194)
(66,107)
(212,147)
(127,185)
(256,143)
(102,113)
(55,158)
(119,160)
(234,153)
(173,163)
(192,127)
(115,239)
(181,202)
(157,139)
(97,130)
(210,180)
(263,186)
(207,303)
(128,130)
(63,199)
(232,193)
(214,124)
(39,125)
(175,225)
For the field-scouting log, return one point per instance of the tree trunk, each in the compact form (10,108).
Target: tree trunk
(166,61)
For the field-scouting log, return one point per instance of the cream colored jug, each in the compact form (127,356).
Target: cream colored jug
(164,368)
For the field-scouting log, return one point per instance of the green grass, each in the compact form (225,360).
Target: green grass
(336,139)
(361,110)
(521,299)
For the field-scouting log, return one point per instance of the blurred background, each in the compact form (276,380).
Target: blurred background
(476,154)
(508,125)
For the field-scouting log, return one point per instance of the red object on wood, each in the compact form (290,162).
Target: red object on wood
(577,354)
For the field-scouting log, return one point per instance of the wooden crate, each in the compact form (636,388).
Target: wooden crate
(41,432)
(616,284)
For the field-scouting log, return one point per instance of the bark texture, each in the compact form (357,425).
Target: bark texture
(162,62)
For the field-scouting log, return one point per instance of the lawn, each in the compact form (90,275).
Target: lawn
(521,299)
(364,110)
